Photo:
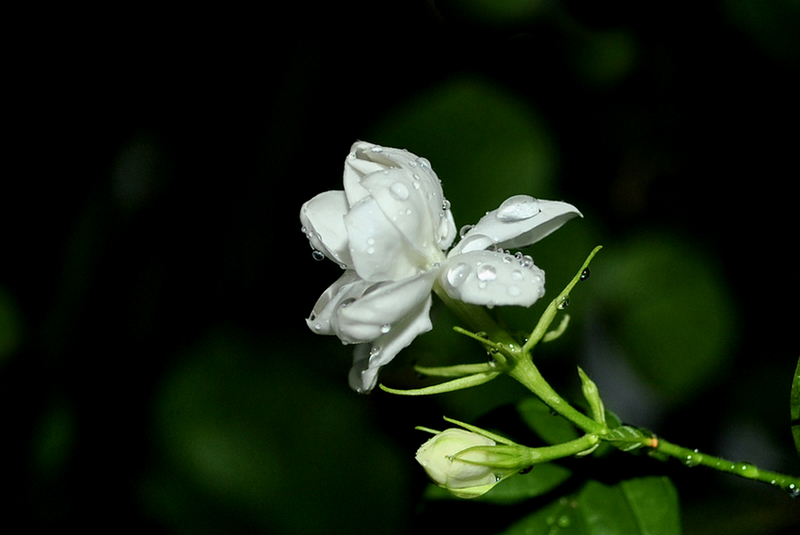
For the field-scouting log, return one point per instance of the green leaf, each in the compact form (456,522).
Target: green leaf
(553,429)
(671,312)
(644,506)
(794,403)
(539,481)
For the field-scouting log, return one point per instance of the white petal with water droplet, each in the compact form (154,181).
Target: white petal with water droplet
(364,374)
(382,304)
(323,222)
(515,234)
(485,278)
(518,208)
(347,287)
(379,251)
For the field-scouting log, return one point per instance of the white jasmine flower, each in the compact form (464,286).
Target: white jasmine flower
(390,230)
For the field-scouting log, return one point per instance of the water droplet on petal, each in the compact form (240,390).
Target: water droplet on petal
(514,291)
(385,328)
(317,255)
(464,230)
(518,208)
(516,275)
(487,272)
(457,274)
(526,261)
(399,191)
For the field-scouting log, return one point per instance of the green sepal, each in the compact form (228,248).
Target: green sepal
(628,438)
(549,336)
(488,434)
(592,395)
(459,370)
(556,305)
(449,386)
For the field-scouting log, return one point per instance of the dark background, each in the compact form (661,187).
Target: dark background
(155,368)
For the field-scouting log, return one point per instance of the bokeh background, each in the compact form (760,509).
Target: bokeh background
(155,369)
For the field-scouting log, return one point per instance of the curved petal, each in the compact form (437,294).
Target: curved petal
(369,358)
(522,220)
(379,251)
(323,223)
(473,241)
(367,159)
(490,278)
(381,308)
(395,192)
(447,229)
(347,287)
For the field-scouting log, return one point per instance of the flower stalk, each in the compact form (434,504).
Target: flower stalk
(742,469)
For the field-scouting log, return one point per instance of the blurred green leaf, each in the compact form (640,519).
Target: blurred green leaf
(551,428)
(10,325)
(644,506)
(485,143)
(251,439)
(671,311)
(539,481)
(794,404)
(501,11)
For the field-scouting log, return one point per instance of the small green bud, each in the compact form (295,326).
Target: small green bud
(465,463)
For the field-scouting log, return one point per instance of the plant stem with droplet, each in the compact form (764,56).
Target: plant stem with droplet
(742,469)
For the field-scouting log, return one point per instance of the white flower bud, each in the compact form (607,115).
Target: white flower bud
(449,459)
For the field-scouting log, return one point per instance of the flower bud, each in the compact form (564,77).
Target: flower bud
(462,462)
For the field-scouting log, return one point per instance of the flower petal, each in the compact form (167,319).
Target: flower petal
(323,223)
(367,159)
(348,287)
(522,220)
(490,278)
(383,305)
(369,358)
(379,251)
(397,194)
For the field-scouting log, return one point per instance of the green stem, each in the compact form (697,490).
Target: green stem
(517,360)
(742,469)
(528,374)
(566,449)
(476,317)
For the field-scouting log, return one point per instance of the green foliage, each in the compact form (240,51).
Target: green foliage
(488,144)
(247,442)
(670,310)
(642,506)
(551,428)
(795,407)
